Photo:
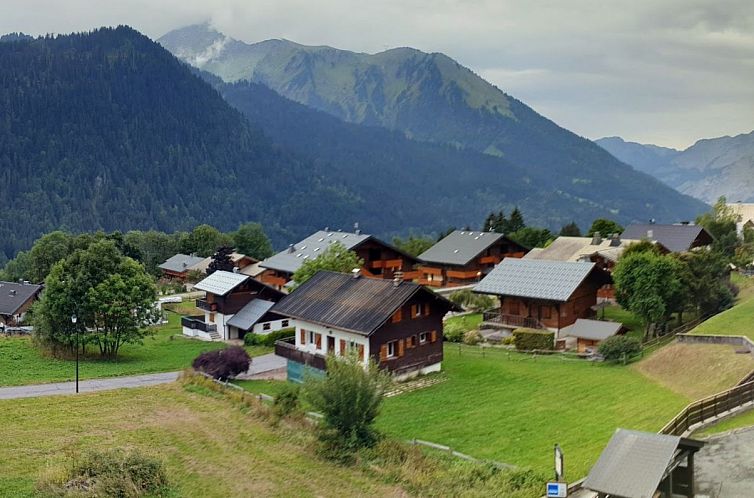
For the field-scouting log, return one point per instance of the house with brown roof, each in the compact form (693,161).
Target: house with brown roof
(15,301)
(394,323)
(542,294)
(464,257)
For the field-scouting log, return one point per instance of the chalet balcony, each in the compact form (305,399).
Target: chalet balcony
(496,318)
(202,304)
(197,323)
(287,349)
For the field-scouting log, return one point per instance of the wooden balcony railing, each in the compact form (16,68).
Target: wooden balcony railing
(287,349)
(202,304)
(273,280)
(429,270)
(515,321)
(489,260)
(387,263)
(198,323)
(463,275)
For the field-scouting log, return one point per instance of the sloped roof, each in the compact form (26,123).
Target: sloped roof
(250,314)
(180,263)
(575,248)
(593,330)
(744,210)
(290,259)
(460,247)
(677,238)
(14,295)
(342,301)
(536,278)
(221,282)
(634,463)
(235,257)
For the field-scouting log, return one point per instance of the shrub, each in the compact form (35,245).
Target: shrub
(287,401)
(531,339)
(508,340)
(453,331)
(471,301)
(613,348)
(252,339)
(472,337)
(223,363)
(109,473)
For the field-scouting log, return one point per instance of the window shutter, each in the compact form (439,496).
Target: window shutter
(433,336)
(400,348)
(426,309)
(361,352)
(397,315)
(303,337)
(342,347)
(413,310)
(318,340)
(383,352)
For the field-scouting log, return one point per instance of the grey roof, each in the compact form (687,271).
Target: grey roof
(14,295)
(180,263)
(593,330)
(341,301)
(289,260)
(677,238)
(536,278)
(221,282)
(250,314)
(634,463)
(460,247)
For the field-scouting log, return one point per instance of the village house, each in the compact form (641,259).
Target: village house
(681,237)
(394,323)
(178,267)
(464,257)
(745,213)
(381,260)
(234,304)
(542,294)
(585,335)
(15,301)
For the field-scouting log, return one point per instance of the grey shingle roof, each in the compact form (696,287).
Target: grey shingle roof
(677,238)
(14,295)
(341,301)
(221,282)
(535,278)
(180,263)
(290,260)
(250,314)
(593,330)
(633,463)
(460,247)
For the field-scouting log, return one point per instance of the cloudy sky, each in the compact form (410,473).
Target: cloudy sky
(657,71)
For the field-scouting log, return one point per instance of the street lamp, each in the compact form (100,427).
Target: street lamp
(73,321)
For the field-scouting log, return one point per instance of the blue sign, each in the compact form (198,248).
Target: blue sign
(557,490)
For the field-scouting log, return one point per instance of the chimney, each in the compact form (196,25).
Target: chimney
(291,248)
(615,240)
(397,278)
(356,272)
(12,292)
(596,239)
(650,234)
(685,223)
(356,228)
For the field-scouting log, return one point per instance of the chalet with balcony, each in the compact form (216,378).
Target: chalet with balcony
(234,304)
(381,260)
(542,294)
(465,257)
(177,267)
(394,323)
(680,237)
(15,301)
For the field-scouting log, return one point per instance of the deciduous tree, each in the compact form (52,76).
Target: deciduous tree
(251,240)
(334,258)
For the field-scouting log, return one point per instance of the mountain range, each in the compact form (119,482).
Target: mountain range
(108,130)
(707,170)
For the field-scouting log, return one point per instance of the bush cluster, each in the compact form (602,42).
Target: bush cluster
(471,301)
(287,401)
(252,339)
(613,348)
(472,337)
(530,339)
(453,331)
(223,364)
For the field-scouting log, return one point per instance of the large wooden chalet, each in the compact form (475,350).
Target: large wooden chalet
(15,301)
(381,260)
(542,294)
(396,324)
(464,257)
(234,304)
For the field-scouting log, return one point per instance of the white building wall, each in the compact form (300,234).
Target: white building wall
(275,325)
(329,332)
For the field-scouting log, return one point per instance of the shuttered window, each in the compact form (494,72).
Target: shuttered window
(342,347)
(302,337)
(392,349)
(361,352)
(383,352)
(318,340)
(423,338)
(426,309)
(414,311)
(400,348)
(398,315)
(433,335)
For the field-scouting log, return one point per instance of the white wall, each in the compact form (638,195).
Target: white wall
(275,325)
(329,332)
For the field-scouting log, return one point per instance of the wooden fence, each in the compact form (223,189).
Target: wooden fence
(662,340)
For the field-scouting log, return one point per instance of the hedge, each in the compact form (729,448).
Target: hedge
(252,339)
(530,339)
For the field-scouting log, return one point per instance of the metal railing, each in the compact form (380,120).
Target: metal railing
(496,316)
(198,323)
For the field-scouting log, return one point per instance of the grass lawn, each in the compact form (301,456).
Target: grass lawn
(514,410)
(465,322)
(269,387)
(745,419)
(21,363)
(633,323)
(696,370)
(738,320)
(211,449)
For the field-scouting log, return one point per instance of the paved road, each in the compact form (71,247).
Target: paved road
(725,466)
(259,365)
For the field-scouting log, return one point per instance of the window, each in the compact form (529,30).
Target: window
(412,341)
(419,309)
(423,338)
(397,316)
(266,326)
(311,337)
(392,347)
(284,323)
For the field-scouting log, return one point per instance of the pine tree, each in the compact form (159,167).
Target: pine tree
(221,261)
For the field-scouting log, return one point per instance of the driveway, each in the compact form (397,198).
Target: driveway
(260,366)
(725,466)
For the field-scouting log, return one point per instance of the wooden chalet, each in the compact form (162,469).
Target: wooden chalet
(585,335)
(381,260)
(680,237)
(234,304)
(464,257)
(177,267)
(396,324)
(542,294)
(15,301)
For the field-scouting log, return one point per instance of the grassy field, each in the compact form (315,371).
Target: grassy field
(632,322)
(22,363)
(210,448)
(745,419)
(465,322)
(514,410)
(696,370)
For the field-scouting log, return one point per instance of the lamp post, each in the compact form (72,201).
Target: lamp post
(74,319)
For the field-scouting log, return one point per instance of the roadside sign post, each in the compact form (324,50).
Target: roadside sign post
(559,472)
(558,489)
